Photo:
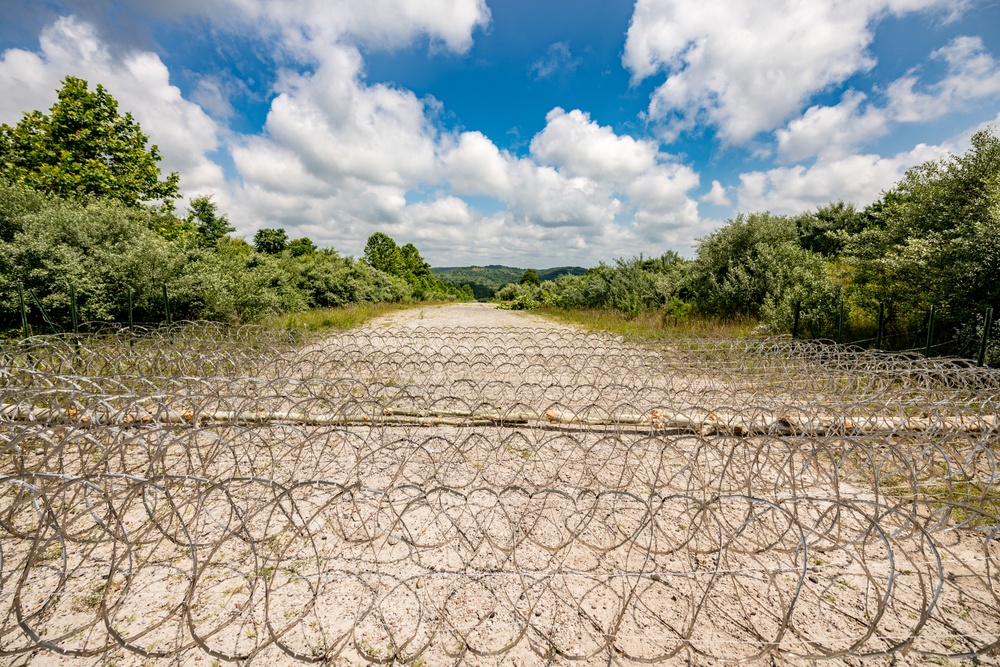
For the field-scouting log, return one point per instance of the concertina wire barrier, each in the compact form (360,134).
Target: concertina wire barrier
(439,496)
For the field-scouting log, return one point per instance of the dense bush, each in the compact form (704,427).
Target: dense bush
(631,286)
(935,237)
(104,249)
(105,227)
(756,266)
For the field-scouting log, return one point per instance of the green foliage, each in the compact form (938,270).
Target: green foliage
(382,253)
(172,228)
(208,223)
(302,246)
(825,230)
(84,148)
(270,241)
(328,280)
(16,202)
(756,267)
(934,238)
(485,281)
(631,286)
(82,203)
(104,249)
(406,264)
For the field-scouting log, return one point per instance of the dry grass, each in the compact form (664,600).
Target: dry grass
(346,317)
(651,324)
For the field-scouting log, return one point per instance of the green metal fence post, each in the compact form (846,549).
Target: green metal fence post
(930,332)
(166,303)
(840,324)
(795,323)
(881,326)
(987,325)
(131,339)
(72,309)
(24,309)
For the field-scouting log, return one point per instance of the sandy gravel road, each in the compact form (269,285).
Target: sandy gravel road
(461,485)
(476,315)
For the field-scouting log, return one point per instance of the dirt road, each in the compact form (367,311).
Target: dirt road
(463,485)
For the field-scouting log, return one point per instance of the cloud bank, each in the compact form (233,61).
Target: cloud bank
(340,157)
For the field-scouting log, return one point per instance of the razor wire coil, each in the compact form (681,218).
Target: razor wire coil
(392,495)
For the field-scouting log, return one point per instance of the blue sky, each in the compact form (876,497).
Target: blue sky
(531,133)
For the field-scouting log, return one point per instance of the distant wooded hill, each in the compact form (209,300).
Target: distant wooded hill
(486,280)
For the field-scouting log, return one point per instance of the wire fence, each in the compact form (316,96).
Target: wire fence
(431,495)
(937,332)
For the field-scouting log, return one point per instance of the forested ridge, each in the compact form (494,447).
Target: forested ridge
(485,281)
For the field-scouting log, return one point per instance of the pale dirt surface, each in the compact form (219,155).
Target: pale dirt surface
(501,544)
(479,315)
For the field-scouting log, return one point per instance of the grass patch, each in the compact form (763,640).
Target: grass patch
(651,324)
(977,501)
(346,317)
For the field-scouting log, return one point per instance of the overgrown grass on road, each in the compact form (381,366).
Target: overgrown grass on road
(652,324)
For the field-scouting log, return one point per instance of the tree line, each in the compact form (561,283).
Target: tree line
(931,240)
(85,209)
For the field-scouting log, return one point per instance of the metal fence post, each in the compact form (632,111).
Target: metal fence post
(131,338)
(987,325)
(795,322)
(24,309)
(930,332)
(881,326)
(166,303)
(72,309)
(840,324)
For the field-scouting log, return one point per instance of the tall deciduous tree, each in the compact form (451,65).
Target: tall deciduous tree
(209,223)
(932,238)
(382,253)
(529,277)
(303,246)
(271,241)
(85,148)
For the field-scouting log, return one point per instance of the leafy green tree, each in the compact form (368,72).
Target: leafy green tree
(302,246)
(826,229)
(270,241)
(85,148)
(15,202)
(209,224)
(382,253)
(171,228)
(754,266)
(932,239)
(413,264)
(529,277)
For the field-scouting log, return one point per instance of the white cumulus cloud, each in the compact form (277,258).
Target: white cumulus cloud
(138,80)
(744,67)
(581,147)
(972,74)
(855,178)
(340,157)
(717,195)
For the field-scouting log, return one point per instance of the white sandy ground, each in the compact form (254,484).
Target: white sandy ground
(463,315)
(483,545)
